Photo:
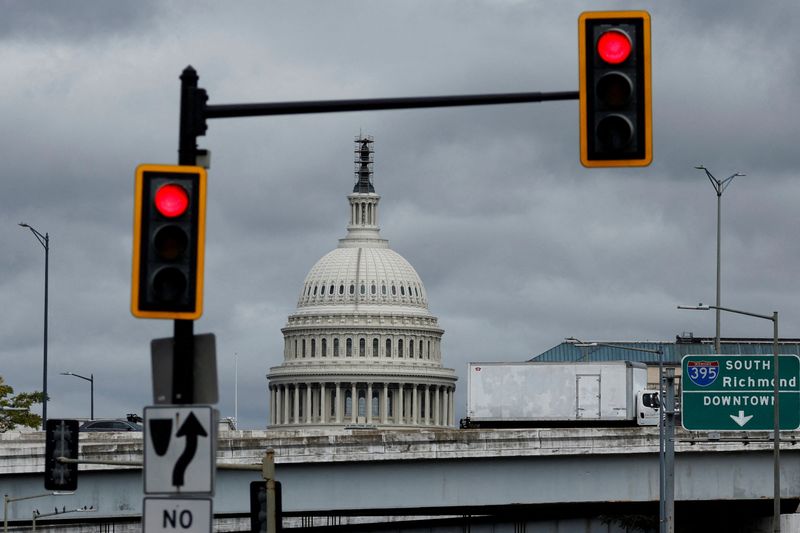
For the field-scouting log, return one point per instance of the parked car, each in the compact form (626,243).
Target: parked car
(110,425)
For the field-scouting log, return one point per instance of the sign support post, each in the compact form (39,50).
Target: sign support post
(776,428)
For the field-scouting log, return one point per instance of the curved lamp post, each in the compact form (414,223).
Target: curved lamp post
(44,240)
(666,444)
(776,432)
(90,379)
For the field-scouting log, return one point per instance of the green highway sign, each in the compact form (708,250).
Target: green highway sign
(735,392)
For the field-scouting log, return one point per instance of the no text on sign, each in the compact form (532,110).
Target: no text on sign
(168,515)
(735,392)
(179,449)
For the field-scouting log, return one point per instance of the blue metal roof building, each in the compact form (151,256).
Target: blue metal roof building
(685,344)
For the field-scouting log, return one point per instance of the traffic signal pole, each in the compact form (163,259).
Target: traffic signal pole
(183,347)
(193,114)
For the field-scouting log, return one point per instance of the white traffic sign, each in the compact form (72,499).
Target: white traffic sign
(170,515)
(179,449)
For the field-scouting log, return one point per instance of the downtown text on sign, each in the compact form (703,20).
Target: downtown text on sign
(735,392)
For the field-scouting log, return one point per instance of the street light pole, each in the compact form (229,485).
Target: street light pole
(666,447)
(90,379)
(9,499)
(776,428)
(44,240)
(719,187)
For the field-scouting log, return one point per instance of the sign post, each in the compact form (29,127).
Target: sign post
(736,392)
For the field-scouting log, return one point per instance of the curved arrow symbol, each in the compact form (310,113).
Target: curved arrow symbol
(741,419)
(191,429)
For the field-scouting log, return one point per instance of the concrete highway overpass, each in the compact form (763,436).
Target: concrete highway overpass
(589,477)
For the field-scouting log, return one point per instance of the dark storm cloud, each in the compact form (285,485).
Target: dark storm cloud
(73,21)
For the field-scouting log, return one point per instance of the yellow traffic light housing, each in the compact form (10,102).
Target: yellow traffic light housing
(616,128)
(168,242)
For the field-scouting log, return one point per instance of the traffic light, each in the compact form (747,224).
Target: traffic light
(616,127)
(168,242)
(259,509)
(61,440)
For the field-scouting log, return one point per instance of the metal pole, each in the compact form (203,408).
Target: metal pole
(6,500)
(661,463)
(183,336)
(268,472)
(719,188)
(236,391)
(380,104)
(776,507)
(46,289)
(90,379)
(91,386)
(666,454)
(669,452)
(776,446)
(719,219)
(44,240)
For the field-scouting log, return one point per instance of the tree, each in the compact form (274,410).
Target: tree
(20,403)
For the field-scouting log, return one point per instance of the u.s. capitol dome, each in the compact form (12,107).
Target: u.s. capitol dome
(362,348)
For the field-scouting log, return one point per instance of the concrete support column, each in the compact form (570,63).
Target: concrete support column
(369,403)
(385,404)
(338,404)
(414,405)
(308,402)
(323,404)
(353,403)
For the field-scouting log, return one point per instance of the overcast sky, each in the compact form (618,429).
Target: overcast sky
(518,245)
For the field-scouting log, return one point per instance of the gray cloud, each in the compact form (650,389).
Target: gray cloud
(518,245)
(75,21)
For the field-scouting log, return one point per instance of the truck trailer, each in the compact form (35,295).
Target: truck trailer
(532,394)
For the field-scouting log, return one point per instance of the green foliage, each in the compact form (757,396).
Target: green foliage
(24,400)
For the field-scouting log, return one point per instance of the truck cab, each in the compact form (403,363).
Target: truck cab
(648,406)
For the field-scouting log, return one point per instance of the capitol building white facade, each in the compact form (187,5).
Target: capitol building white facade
(362,348)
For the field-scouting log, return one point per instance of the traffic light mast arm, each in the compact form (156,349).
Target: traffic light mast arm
(380,104)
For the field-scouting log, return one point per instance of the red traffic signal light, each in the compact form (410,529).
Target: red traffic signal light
(614,46)
(168,242)
(615,108)
(171,200)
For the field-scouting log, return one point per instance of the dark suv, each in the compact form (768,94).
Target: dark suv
(110,425)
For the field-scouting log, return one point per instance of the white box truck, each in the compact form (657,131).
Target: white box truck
(559,394)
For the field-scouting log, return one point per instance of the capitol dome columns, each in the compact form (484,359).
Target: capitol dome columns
(412,404)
